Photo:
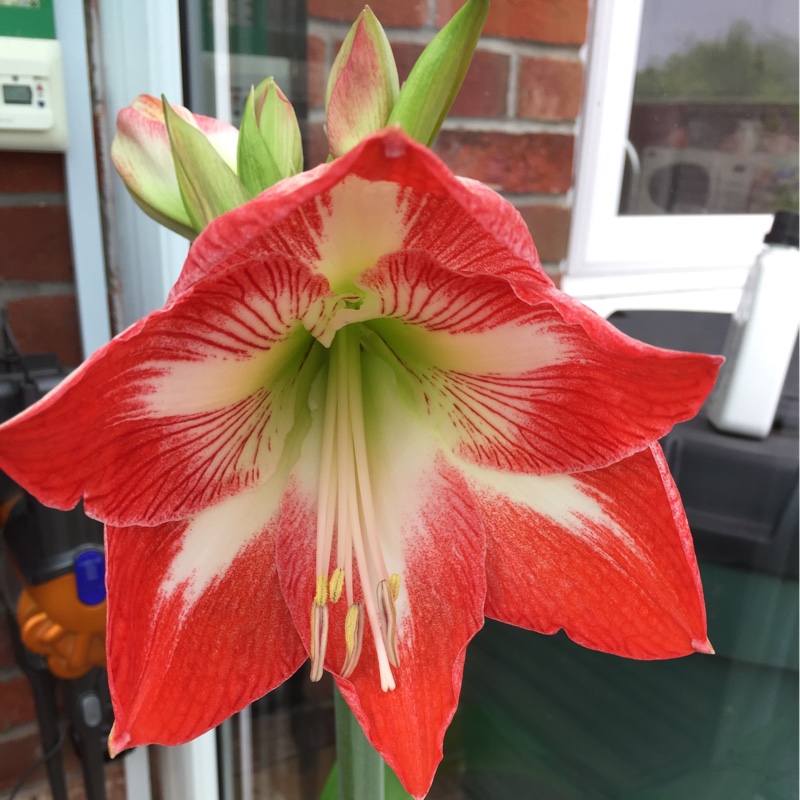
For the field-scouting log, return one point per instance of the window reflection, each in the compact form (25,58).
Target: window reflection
(714,119)
(289,747)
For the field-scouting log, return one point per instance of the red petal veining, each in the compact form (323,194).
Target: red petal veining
(513,385)
(181,410)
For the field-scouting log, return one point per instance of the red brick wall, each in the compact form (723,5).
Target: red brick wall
(36,278)
(512,125)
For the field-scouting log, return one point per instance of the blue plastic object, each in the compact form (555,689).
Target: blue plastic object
(90,577)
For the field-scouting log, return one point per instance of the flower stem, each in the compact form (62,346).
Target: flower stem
(361,768)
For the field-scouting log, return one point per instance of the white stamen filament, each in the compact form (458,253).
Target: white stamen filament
(362,472)
(345,494)
(326,497)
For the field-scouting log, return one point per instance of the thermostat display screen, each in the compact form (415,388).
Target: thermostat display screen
(14,94)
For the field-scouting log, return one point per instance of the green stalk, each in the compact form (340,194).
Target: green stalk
(359,773)
(361,768)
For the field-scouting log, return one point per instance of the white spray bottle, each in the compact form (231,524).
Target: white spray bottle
(761,337)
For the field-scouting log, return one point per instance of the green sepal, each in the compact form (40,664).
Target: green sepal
(270,147)
(279,127)
(162,219)
(209,187)
(256,166)
(433,84)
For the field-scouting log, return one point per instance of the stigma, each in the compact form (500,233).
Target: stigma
(345,509)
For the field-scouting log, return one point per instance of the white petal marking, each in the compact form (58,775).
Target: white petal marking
(215,537)
(361,222)
(191,387)
(562,499)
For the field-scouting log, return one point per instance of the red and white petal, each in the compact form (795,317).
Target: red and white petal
(141,154)
(197,625)
(432,536)
(606,555)
(188,407)
(472,230)
(387,193)
(514,386)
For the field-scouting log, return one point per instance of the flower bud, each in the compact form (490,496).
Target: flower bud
(270,148)
(208,185)
(433,84)
(142,155)
(362,86)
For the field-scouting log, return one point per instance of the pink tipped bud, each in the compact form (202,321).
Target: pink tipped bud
(362,86)
(142,154)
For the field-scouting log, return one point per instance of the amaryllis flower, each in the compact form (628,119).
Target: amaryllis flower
(364,420)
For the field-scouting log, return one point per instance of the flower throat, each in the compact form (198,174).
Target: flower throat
(345,504)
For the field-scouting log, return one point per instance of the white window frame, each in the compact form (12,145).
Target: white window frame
(141,53)
(667,261)
(83,197)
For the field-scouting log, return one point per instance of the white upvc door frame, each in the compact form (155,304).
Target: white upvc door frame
(674,261)
(141,53)
(83,197)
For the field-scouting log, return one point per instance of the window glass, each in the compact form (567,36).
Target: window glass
(714,118)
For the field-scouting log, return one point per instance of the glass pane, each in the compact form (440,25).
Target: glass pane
(713,127)
(266,38)
(284,747)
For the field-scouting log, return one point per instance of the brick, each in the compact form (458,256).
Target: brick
(553,21)
(483,93)
(516,163)
(16,701)
(18,750)
(7,658)
(47,324)
(549,226)
(31,172)
(391,13)
(317,74)
(405,55)
(36,243)
(22,748)
(549,88)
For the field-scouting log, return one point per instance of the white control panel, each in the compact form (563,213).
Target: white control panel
(33,114)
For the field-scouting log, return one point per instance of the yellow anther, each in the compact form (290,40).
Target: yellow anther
(353,637)
(394,582)
(321,597)
(319,638)
(336,585)
(350,625)
(388,621)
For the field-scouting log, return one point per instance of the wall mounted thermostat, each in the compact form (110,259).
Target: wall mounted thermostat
(33,113)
